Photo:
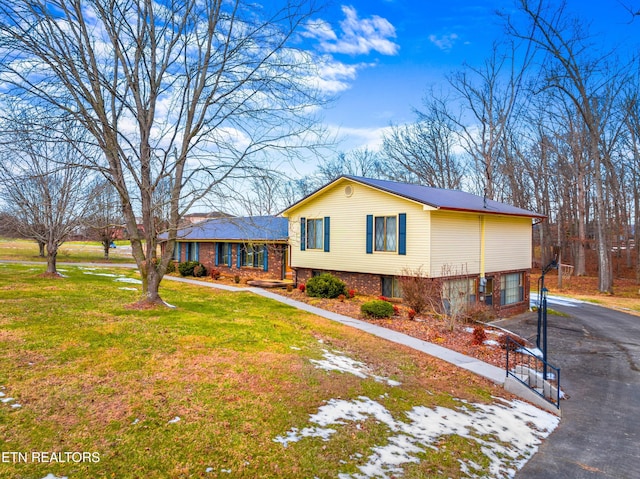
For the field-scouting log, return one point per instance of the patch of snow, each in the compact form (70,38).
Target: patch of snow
(493,331)
(16,406)
(345,364)
(209,469)
(174,420)
(491,342)
(508,432)
(171,306)
(128,280)
(2,394)
(535,301)
(531,352)
(6,400)
(135,421)
(126,288)
(468,329)
(295,348)
(53,476)
(107,275)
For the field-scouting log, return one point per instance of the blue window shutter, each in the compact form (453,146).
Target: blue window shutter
(229,249)
(402,233)
(265,260)
(179,252)
(197,251)
(327,235)
(303,234)
(216,254)
(369,234)
(238,256)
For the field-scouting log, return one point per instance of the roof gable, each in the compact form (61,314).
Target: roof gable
(438,198)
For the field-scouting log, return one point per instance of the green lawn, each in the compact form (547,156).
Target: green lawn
(92,376)
(76,251)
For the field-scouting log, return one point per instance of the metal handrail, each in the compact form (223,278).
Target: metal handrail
(533,371)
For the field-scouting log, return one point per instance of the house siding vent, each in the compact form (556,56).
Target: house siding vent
(348,191)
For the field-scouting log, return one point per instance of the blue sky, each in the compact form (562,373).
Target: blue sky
(386,53)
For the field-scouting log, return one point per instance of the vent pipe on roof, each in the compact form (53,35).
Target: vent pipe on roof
(485,198)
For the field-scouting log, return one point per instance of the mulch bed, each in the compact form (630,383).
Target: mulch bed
(460,337)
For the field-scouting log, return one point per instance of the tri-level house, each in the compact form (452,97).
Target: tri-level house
(371,232)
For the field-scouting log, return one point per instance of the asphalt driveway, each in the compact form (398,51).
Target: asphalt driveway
(598,351)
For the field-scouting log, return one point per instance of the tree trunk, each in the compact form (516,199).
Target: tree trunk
(605,273)
(52,254)
(106,245)
(41,249)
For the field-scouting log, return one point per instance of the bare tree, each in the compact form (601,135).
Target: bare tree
(359,162)
(44,188)
(423,152)
(105,222)
(571,67)
(489,96)
(186,92)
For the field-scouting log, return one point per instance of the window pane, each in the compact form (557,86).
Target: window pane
(379,233)
(314,234)
(319,229)
(391,233)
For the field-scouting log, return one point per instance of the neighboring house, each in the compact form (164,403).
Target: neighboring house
(370,232)
(248,247)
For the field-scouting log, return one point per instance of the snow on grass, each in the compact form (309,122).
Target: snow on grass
(345,364)
(128,280)
(107,275)
(53,476)
(508,432)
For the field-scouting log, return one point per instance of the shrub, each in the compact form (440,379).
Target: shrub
(215,274)
(411,314)
(341,298)
(326,285)
(187,268)
(351,293)
(171,267)
(289,288)
(199,270)
(377,309)
(419,292)
(396,310)
(302,287)
(479,336)
(236,279)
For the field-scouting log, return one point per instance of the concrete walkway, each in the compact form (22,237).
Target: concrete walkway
(493,373)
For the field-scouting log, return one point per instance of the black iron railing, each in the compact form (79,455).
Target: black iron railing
(534,372)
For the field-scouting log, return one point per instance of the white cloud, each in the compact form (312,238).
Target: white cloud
(370,138)
(359,36)
(444,42)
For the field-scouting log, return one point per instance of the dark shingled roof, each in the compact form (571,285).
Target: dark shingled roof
(439,198)
(249,228)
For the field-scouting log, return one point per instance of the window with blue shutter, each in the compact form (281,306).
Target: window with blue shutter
(327,221)
(197,251)
(216,254)
(369,234)
(402,233)
(303,234)
(179,252)
(265,259)
(239,255)
(229,255)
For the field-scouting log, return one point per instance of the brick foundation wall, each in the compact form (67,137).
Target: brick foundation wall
(207,256)
(371,284)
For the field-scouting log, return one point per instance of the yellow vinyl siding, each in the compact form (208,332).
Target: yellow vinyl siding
(455,243)
(349,231)
(507,243)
